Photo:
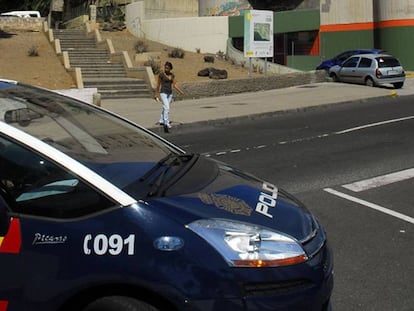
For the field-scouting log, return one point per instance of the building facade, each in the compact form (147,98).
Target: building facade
(382,24)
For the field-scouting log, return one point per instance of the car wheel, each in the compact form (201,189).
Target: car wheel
(119,303)
(334,77)
(398,85)
(369,82)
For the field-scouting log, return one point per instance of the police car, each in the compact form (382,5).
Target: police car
(98,213)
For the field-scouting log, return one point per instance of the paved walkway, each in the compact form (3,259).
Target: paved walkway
(146,112)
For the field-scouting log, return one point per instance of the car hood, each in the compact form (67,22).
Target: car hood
(235,195)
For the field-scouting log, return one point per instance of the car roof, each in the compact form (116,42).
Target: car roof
(373,51)
(372,55)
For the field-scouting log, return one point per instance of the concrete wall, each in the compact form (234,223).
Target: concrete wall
(20,23)
(209,34)
(344,25)
(394,31)
(234,86)
(134,18)
(393,10)
(169,8)
(346,12)
(382,24)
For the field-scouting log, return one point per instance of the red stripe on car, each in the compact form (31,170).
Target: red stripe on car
(12,242)
(3,305)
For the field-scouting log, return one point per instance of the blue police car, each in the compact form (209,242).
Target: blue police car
(98,213)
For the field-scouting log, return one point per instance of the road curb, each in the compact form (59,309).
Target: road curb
(178,127)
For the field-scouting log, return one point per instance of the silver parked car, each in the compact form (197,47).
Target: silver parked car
(370,69)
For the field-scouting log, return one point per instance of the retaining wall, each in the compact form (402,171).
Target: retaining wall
(21,23)
(235,86)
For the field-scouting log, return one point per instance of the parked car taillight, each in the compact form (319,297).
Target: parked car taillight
(378,73)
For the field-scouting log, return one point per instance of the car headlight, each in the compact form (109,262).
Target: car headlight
(246,245)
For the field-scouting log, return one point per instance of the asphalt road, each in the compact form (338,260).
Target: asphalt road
(319,155)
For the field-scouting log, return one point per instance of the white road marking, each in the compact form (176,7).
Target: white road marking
(353,129)
(380,180)
(371,205)
(320,136)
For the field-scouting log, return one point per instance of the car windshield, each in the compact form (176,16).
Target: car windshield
(110,146)
(387,62)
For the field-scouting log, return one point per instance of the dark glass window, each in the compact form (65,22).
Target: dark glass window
(33,185)
(352,62)
(365,63)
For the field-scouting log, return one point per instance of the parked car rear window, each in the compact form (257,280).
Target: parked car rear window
(387,62)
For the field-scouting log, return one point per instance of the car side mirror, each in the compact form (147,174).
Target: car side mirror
(22,116)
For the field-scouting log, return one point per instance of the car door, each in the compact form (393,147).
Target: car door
(363,70)
(11,276)
(348,70)
(39,240)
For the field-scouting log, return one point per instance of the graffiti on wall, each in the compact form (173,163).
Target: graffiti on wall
(231,8)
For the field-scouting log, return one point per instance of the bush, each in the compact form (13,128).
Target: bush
(177,53)
(33,51)
(221,54)
(155,65)
(141,46)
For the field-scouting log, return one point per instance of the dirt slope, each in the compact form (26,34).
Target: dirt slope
(46,69)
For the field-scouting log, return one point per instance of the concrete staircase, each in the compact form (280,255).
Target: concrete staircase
(98,71)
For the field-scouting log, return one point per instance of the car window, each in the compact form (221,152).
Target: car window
(33,185)
(116,150)
(352,62)
(387,62)
(365,62)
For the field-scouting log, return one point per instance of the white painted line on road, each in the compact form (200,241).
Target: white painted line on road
(380,181)
(320,136)
(371,205)
(353,129)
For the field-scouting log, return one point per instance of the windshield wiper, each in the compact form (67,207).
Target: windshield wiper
(169,161)
(157,166)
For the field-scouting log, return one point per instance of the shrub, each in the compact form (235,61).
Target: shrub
(155,65)
(177,53)
(209,59)
(141,46)
(33,51)
(221,54)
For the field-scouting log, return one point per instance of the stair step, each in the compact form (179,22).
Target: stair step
(101,74)
(124,95)
(97,69)
(109,81)
(119,87)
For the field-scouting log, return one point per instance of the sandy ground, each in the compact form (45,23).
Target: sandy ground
(46,69)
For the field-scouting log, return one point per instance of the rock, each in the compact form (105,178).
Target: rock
(218,73)
(204,72)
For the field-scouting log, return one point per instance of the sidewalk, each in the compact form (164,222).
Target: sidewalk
(146,112)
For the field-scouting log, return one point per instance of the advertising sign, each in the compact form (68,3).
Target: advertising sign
(258,33)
